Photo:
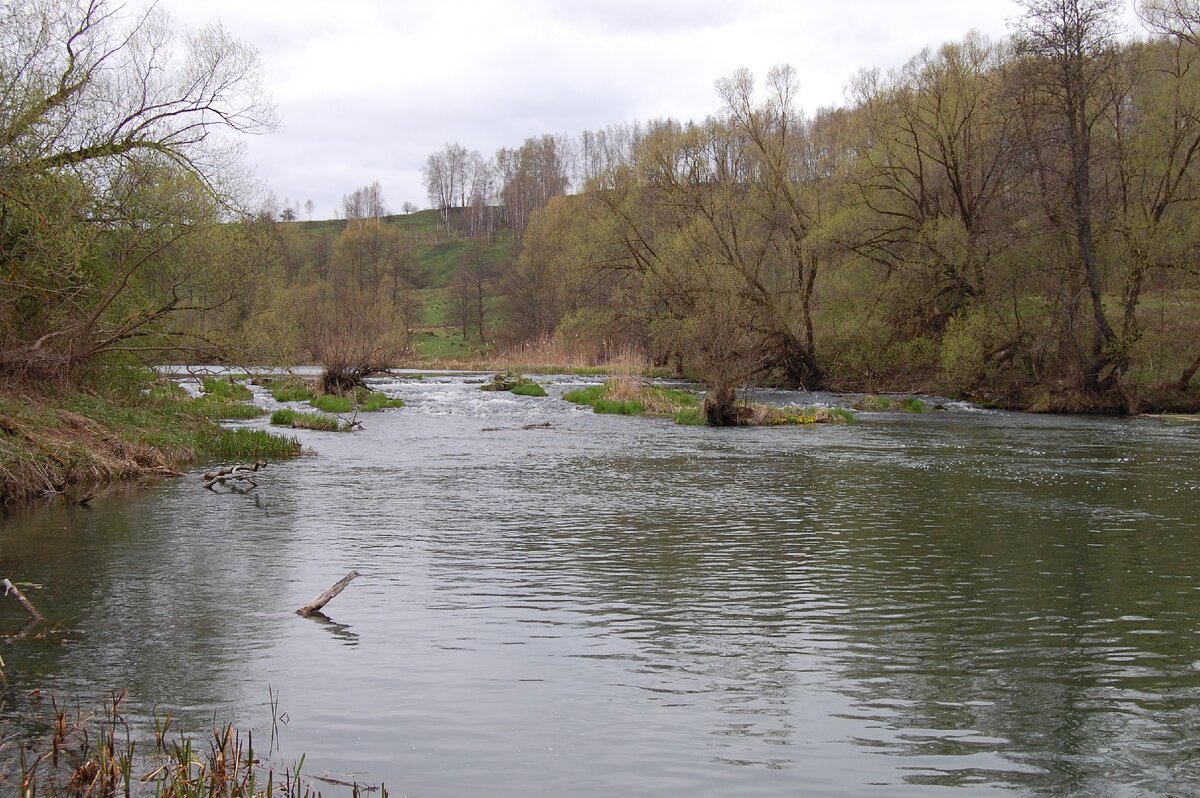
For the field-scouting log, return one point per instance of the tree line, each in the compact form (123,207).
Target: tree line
(1008,219)
(1014,220)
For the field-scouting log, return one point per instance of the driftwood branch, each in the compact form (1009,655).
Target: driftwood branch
(11,590)
(314,606)
(237,472)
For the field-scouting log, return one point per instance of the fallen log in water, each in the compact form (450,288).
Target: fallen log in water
(11,589)
(314,606)
(237,472)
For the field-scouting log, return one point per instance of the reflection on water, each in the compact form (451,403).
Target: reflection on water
(958,602)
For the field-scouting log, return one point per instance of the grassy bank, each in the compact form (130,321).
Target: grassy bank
(69,443)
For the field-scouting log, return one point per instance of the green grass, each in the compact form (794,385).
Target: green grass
(208,406)
(530,388)
(585,396)
(286,417)
(690,417)
(885,404)
(56,444)
(376,401)
(250,444)
(794,415)
(221,388)
(332,404)
(516,383)
(290,391)
(628,398)
(619,407)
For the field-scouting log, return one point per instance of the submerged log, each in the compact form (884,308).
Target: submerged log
(11,589)
(314,606)
(237,472)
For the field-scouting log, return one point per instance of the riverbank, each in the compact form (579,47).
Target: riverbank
(69,444)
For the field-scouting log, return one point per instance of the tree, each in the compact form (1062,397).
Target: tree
(111,161)
(364,203)
(1074,58)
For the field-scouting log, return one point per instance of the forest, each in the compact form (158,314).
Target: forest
(1013,221)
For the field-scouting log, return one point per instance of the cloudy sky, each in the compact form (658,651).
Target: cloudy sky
(366,89)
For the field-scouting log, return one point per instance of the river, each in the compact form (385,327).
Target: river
(954,603)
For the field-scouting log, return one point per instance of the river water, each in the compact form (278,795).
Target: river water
(956,603)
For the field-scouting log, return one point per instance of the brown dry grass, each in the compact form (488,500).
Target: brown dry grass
(47,450)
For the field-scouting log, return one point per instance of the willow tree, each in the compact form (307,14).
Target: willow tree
(113,161)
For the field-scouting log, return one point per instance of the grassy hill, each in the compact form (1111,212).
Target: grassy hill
(439,251)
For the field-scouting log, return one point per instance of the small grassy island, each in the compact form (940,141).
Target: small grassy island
(514,383)
(629,397)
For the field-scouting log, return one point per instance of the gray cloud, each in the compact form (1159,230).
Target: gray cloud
(367,89)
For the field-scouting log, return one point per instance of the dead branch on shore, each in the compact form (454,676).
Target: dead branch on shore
(313,607)
(233,473)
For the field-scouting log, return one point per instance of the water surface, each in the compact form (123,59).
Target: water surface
(959,603)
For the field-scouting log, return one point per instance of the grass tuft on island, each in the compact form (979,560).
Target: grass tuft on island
(363,398)
(629,397)
(514,383)
(632,398)
(296,419)
(884,404)
(290,390)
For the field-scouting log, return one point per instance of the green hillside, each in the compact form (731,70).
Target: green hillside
(433,254)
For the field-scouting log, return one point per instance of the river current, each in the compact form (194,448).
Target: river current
(953,603)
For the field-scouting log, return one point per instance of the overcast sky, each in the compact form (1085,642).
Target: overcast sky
(365,90)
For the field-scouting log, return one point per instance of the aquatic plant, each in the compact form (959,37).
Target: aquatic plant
(224,389)
(218,409)
(286,417)
(884,404)
(377,400)
(82,754)
(250,444)
(794,415)
(530,388)
(631,397)
(332,403)
(290,391)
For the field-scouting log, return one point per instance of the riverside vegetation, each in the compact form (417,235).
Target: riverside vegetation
(81,754)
